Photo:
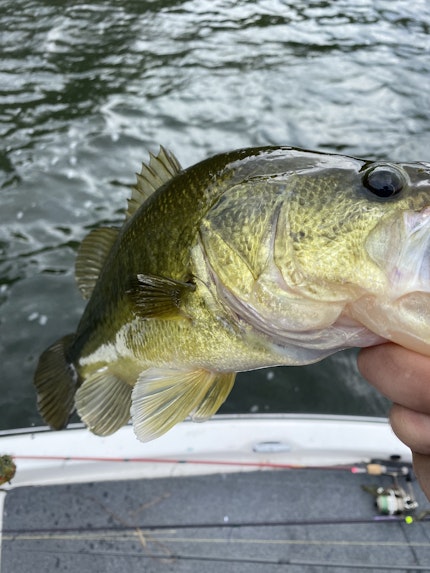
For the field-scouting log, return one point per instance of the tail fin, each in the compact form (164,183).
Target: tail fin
(56,382)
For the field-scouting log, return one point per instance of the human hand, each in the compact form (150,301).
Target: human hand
(403,376)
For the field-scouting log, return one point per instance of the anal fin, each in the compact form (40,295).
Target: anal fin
(162,397)
(103,402)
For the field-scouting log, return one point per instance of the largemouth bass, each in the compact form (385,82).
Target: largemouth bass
(249,259)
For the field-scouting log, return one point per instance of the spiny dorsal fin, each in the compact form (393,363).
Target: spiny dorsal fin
(103,402)
(159,170)
(158,297)
(162,397)
(91,257)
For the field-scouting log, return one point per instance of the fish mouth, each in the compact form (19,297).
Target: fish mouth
(401,248)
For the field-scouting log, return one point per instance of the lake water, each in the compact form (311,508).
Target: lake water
(88,88)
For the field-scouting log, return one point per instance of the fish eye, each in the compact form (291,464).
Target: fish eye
(384,181)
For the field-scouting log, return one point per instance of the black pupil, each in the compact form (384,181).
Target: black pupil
(383,181)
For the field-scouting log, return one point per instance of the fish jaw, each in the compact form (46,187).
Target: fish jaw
(401,248)
(277,326)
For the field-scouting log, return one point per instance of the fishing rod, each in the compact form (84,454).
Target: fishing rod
(38,532)
(389,500)
(282,562)
(145,460)
(375,467)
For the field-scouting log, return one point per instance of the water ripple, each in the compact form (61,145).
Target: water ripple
(87,87)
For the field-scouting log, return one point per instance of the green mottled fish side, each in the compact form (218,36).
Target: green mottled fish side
(254,258)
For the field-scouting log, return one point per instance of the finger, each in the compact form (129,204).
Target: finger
(422,471)
(412,428)
(400,374)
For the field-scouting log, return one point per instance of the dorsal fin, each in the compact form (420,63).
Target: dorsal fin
(92,254)
(159,170)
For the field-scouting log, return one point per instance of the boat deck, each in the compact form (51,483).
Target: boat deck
(295,520)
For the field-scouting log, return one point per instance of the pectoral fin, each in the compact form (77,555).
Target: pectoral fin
(162,397)
(103,402)
(158,297)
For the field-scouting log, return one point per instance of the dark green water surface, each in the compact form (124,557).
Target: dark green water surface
(87,88)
